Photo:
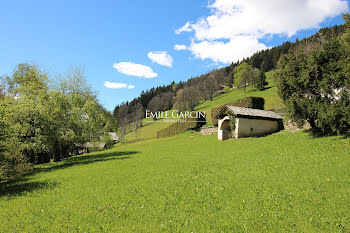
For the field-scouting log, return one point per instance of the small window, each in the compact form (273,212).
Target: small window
(251,129)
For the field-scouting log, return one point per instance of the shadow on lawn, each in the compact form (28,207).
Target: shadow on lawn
(24,184)
(317,134)
(83,160)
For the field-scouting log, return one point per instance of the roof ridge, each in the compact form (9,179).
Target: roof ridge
(253,112)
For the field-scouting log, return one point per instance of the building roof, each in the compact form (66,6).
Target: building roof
(91,145)
(250,113)
(95,145)
(113,136)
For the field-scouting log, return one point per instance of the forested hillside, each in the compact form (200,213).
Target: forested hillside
(189,94)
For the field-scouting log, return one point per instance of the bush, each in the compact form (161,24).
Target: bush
(106,138)
(13,166)
(248,102)
(179,127)
(226,89)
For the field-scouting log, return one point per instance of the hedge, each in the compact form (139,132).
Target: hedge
(248,102)
(180,127)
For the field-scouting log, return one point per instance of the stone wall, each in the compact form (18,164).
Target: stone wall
(209,130)
(291,126)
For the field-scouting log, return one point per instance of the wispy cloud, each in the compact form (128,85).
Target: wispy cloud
(180,47)
(185,28)
(161,57)
(113,85)
(132,69)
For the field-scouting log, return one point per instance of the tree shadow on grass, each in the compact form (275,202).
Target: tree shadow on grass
(24,185)
(139,140)
(266,88)
(83,160)
(317,134)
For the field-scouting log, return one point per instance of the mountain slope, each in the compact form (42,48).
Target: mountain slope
(272,101)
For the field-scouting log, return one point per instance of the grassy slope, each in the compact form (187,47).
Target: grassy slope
(189,182)
(272,100)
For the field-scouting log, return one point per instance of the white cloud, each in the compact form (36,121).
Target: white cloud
(113,85)
(138,70)
(185,28)
(239,20)
(234,50)
(161,57)
(180,47)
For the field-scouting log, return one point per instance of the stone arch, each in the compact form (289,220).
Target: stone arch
(224,129)
(225,125)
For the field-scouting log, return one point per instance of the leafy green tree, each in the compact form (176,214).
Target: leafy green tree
(230,79)
(26,100)
(111,124)
(261,82)
(2,127)
(246,75)
(139,114)
(75,114)
(24,133)
(253,77)
(187,98)
(124,118)
(41,119)
(106,138)
(241,75)
(27,80)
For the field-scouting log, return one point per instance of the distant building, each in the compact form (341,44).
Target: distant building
(222,87)
(95,146)
(88,147)
(237,122)
(113,136)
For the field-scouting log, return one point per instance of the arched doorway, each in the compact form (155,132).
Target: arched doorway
(224,128)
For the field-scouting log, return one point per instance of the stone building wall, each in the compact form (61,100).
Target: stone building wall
(209,130)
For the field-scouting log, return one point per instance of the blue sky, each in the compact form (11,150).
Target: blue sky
(129,46)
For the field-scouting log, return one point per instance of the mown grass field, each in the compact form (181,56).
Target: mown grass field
(272,101)
(189,183)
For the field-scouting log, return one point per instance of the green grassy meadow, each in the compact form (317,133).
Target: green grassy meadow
(189,183)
